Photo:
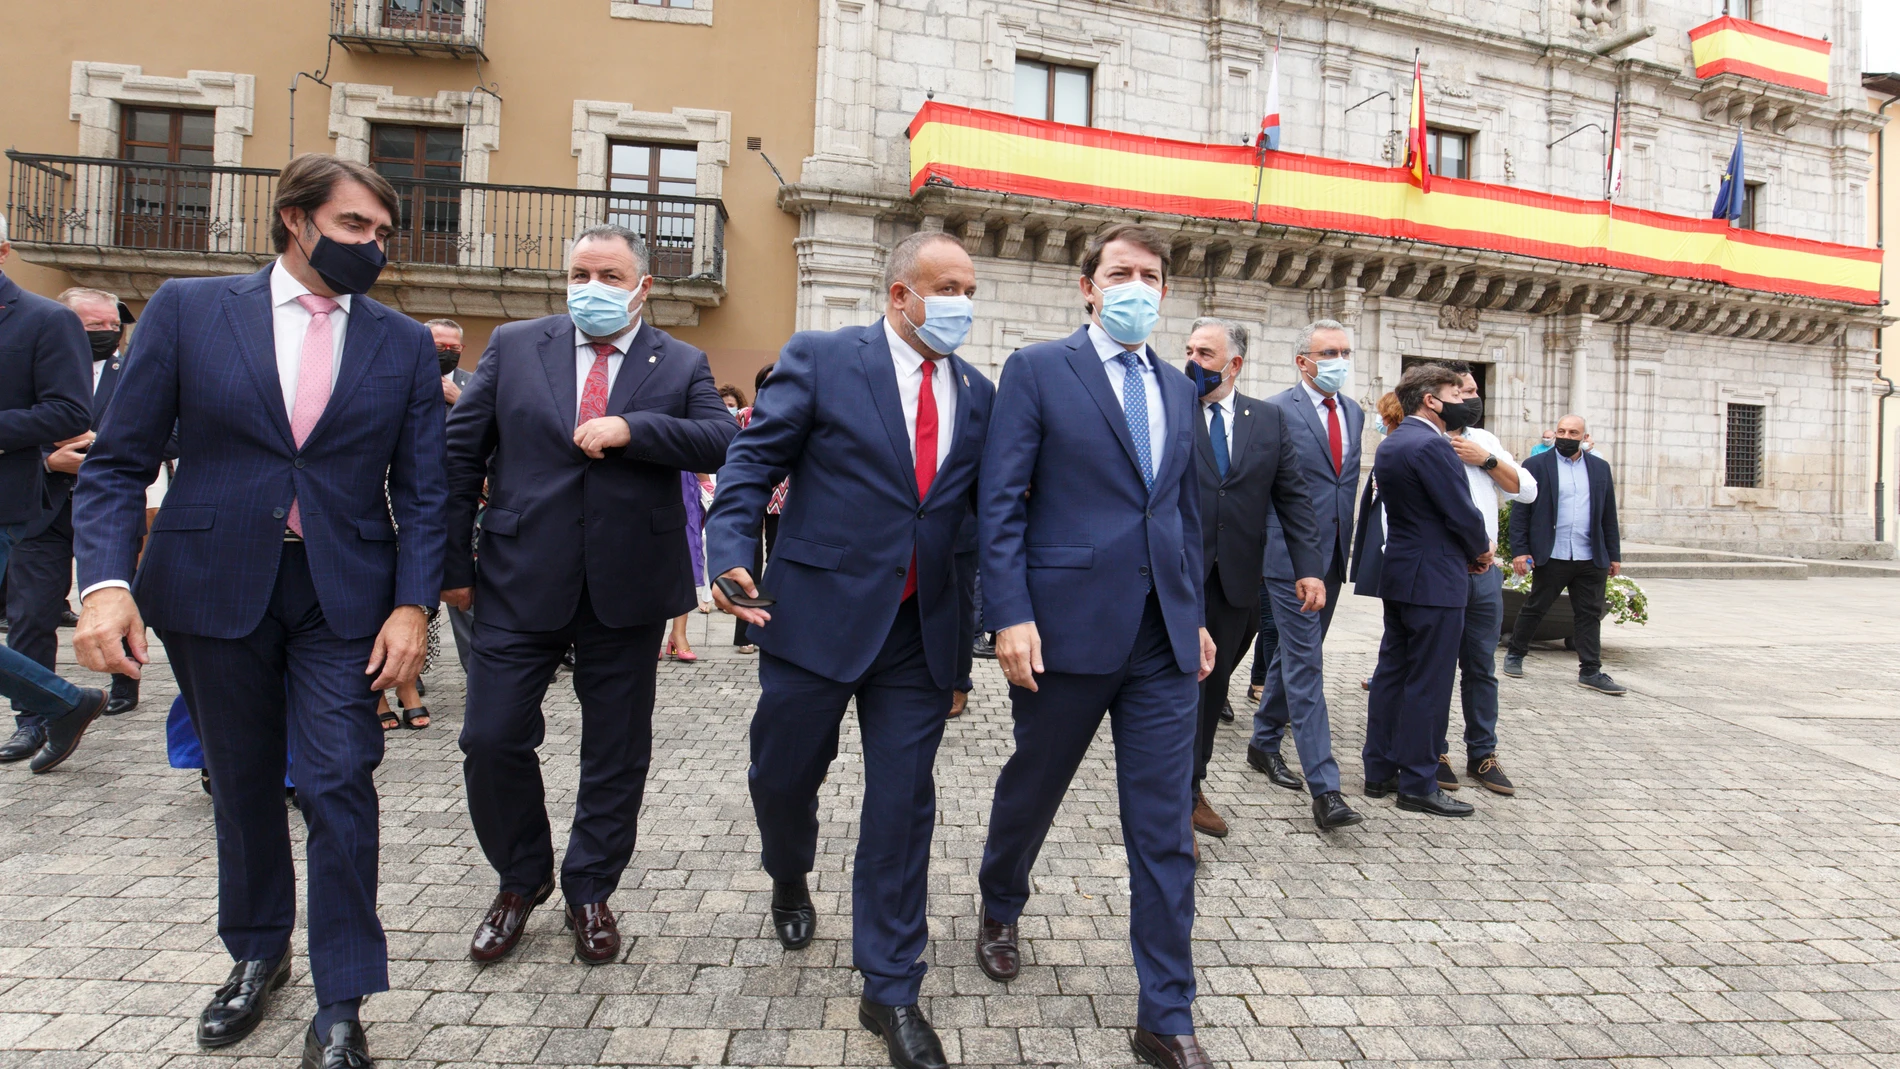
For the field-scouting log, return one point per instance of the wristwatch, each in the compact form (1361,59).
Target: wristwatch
(1489,463)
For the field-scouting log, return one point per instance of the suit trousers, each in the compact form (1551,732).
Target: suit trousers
(1295,691)
(1151,705)
(1411,693)
(41,572)
(502,725)
(36,691)
(1267,641)
(1586,583)
(1478,668)
(901,715)
(969,603)
(462,626)
(1232,627)
(292,685)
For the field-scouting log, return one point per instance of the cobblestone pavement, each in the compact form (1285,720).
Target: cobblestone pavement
(1701,874)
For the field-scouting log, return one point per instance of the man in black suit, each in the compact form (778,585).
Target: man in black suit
(580,424)
(1248,470)
(1570,536)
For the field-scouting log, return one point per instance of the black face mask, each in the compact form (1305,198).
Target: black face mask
(1568,446)
(347,268)
(1205,381)
(449,359)
(1458,414)
(105,342)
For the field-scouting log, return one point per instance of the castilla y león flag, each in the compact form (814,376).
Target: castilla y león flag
(1737,46)
(1417,159)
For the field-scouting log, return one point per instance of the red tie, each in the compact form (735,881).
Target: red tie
(1333,436)
(594,394)
(926,456)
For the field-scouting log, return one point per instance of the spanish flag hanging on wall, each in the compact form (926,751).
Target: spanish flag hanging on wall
(986,150)
(1417,155)
(1736,46)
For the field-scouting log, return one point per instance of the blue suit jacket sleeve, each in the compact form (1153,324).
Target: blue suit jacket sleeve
(62,404)
(760,457)
(418,483)
(696,441)
(1009,463)
(471,442)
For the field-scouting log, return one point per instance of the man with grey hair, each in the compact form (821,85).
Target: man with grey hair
(579,426)
(1249,476)
(1326,425)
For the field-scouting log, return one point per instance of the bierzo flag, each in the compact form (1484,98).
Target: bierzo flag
(1270,122)
(1417,158)
(1737,46)
(1613,178)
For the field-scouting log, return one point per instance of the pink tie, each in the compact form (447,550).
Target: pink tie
(313,379)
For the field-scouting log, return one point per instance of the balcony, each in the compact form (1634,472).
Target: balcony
(449,29)
(459,248)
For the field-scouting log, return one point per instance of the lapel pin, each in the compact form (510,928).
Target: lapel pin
(653,359)
(966,382)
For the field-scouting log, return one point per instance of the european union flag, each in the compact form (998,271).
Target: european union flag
(1728,202)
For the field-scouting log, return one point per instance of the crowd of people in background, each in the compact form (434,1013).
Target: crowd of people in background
(293,484)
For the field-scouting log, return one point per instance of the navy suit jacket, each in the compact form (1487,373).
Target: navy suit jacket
(556,518)
(45,380)
(1333,493)
(1263,485)
(204,360)
(830,416)
(1071,538)
(1534,523)
(1433,531)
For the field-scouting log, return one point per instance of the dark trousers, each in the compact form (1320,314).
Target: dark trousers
(1232,627)
(1586,583)
(761,550)
(1151,705)
(901,716)
(508,676)
(41,573)
(1411,693)
(292,685)
(1478,668)
(462,626)
(1268,639)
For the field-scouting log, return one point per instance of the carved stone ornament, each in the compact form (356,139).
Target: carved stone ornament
(1452,317)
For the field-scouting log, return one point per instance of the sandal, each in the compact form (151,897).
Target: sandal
(416,719)
(389,719)
(747,649)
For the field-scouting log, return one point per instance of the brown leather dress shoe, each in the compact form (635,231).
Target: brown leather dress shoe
(1206,821)
(1168,1052)
(996,949)
(507,918)
(596,936)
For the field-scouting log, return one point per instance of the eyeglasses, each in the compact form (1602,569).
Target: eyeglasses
(1330,354)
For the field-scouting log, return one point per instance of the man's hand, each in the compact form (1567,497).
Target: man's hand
(109,622)
(1521,565)
(68,455)
(755,617)
(462,597)
(1208,653)
(1469,451)
(1484,562)
(1616,568)
(596,436)
(1311,592)
(1019,651)
(450,391)
(400,647)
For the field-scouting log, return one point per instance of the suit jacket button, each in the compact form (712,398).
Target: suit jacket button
(1144,569)
(299,462)
(920,514)
(1151,514)
(277,514)
(1223,493)
(900,571)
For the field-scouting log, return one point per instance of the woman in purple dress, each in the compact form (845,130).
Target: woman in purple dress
(691,488)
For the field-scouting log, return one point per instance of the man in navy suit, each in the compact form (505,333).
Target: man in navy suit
(289,572)
(881,429)
(1435,539)
(1325,425)
(580,425)
(43,395)
(1090,522)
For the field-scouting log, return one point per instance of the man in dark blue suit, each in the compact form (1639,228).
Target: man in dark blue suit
(1435,538)
(289,572)
(579,425)
(881,429)
(43,395)
(1326,426)
(1090,521)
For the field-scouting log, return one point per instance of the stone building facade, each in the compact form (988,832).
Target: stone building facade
(1672,374)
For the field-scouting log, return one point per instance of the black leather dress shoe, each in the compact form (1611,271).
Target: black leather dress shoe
(1331,811)
(1274,766)
(1227,712)
(1168,1052)
(63,734)
(1381,788)
(912,1042)
(996,947)
(124,696)
(506,919)
(237,1007)
(346,1048)
(25,743)
(793,916)
(1437,803)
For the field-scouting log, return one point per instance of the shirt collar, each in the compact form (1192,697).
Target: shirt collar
(1427,423)
(909,359)
(620,344)
(1225,404)
(1578,459)
(1317,397)
(284,288)
(1108,348)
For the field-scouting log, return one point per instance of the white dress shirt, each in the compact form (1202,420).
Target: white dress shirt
(1485,492)
(1226,406)
(584,362)
(1110,352)
(290,321)
(99,369)
(910,384)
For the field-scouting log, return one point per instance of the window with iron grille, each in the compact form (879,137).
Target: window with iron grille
(650,174)
(161,208)
(1743,467)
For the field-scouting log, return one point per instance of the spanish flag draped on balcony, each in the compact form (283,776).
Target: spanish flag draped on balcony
(1417,155)
(1737,46)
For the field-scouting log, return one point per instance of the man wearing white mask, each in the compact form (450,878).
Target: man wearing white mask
(580,424)
(881,429)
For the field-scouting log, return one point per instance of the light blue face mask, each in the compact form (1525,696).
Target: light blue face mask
(1130,311)
(1332,375)
(598,309)
(946,322)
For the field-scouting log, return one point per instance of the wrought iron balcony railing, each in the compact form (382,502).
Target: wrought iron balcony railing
(451,28)
(165,207)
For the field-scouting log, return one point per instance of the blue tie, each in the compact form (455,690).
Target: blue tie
(1217,435)
(1135,408)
